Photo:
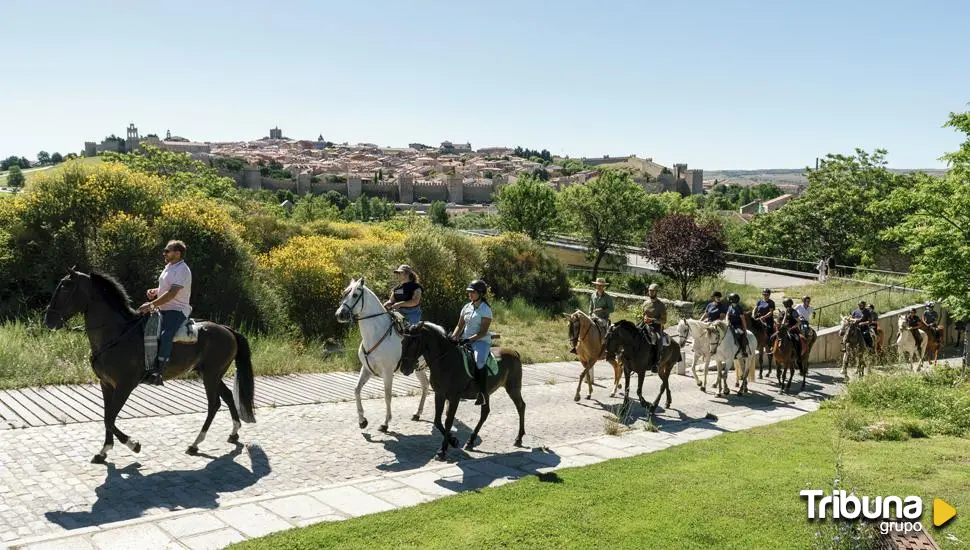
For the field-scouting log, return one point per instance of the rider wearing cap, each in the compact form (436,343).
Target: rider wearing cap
(795,321)
(406,296)
(913,322)
(764,311)
(472,329)
(739,325)
(715,310)
(654,317)
(863,319)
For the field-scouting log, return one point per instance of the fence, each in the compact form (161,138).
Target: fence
(807,268)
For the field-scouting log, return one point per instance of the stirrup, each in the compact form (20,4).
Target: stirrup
(153,378)
(481,399)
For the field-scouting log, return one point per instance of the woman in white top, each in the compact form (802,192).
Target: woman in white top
(805,312)
(473,323)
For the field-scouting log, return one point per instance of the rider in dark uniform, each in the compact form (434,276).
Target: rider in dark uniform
(931,320)
(913,322)
(739,326)
(863,319)
(715,310)
(792,322)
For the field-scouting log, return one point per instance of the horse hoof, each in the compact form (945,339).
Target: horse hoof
(136,448)
(453,441)
(470,445)
(703,389)
(588,397)
(439,456)
(667,406)
(518,442)
(363,424)
(192,450)
(382,428)
(416,417)
(234,438)
(576,399)
(99,459)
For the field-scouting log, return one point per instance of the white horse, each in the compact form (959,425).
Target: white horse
(711,341)
(906,344)
(380,346)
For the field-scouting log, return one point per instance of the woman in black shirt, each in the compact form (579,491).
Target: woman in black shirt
(406,296)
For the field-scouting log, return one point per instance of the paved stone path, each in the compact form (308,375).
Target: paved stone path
(308,463)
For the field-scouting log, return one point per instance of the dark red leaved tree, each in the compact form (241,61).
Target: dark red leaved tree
(686,251)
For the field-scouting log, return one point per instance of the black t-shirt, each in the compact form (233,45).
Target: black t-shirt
(405,291)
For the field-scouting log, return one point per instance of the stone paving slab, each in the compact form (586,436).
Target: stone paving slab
(310,463)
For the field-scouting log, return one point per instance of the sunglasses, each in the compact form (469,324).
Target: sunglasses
(167,250)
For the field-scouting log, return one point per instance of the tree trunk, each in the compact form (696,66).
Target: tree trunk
(596,264)
(684,283)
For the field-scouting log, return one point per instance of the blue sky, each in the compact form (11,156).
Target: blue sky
(715,84)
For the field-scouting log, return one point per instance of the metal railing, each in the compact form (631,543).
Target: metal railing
(888,289)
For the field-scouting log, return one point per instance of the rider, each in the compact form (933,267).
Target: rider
(601,304)
(715,310)
(864,321)
(931,319)
(171,298)
(739,325)
(805,312)
(406,296)
(913,322)
(473,323)
(655,317)
(764,311)
(792,320)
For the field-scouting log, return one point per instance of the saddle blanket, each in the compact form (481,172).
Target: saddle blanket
(491,363)
(188,333)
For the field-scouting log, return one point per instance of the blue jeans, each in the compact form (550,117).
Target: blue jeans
(411,314)
(171,322)
(481,350)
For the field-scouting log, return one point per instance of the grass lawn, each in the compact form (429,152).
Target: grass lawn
(30,173)
(738,490)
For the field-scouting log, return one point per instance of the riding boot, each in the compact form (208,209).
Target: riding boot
(481,376)
(154,375)
(657,349)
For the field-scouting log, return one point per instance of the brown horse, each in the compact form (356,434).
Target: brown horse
(625,339)
(115,333)
(933,341)
(789,354)
(589,339)
(760,332)
(452,383)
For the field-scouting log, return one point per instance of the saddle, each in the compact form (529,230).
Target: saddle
(398,321)
(468,357)
(651,334)
(188,334)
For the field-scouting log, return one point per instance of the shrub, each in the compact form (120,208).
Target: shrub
(447,262)
(517,266)
(128,247)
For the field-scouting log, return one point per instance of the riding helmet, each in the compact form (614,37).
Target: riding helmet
(788,302)
(734,298)
(806,297)
(478,286)
(766,291)
(653,286)
(930,304)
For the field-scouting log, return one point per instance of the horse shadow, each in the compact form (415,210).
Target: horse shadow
(127,494)
(477,474)
(413,451)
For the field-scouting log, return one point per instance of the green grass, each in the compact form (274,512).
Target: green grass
(835,291)
(738,490)
(31,173)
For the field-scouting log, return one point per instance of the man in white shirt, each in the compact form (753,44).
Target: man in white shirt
(171,298)
(805,312)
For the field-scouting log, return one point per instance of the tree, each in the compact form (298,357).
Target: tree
(937,229)
(56,158)
(15,178)
(9,161)
(438,214)
(43,158)
(24,163)
(178,169)
(686,251)
(608,212)
(527,206)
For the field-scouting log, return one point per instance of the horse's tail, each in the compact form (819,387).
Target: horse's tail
(245,382)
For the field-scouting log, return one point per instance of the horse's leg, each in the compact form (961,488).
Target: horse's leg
(481,420)
(640,377)
(626,390)
(226,395)
(450,439)
(761,362)
(212,398)
(589,379)
(582,376)
(114,400)
(726,372)
(388,378)
(515,394)
(617,371)
(439,407)
(423,380)
(364,377)
(707,361)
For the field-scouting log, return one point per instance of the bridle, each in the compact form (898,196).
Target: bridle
(367,352)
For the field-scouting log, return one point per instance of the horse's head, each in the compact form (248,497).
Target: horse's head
(612,342)
(574,320)
(413,346)
(352,301)
(72,295)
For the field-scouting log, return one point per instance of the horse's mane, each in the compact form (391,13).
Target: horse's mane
(112,292)
(437,328)
(626,325)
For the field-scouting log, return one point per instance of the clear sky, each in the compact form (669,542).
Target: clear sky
(715,84)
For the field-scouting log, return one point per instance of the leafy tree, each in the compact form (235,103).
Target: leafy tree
(43,158)
(540,174)
(543,156)
(527,206)
(572,166)
(609,211)
(15,178)
(179,170)
(438,214)
(312,208)
(685,251)
(71,156)
(937,230)
(10,161)
(56,158)
(24,163)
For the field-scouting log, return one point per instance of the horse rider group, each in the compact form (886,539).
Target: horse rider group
(930,319)
(795,319)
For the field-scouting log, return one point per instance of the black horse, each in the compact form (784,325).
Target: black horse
(115,333)
(451,383)
(638,355)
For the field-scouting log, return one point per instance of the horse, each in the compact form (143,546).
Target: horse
(854,347)
(710,342)
(906,344)
(932,340)
(589,346)
(380,346)
(760,331)
(624,338)
(788,354)
(116,336)
(452,383)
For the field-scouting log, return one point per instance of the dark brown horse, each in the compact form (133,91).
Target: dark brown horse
(637,355)
(788,354)
(451,383)
(761,334)
(115,333)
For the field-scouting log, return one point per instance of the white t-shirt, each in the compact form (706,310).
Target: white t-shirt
(805,312)
(176,274)
(473,320)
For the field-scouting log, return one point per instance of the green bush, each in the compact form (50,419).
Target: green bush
(515,266)
(446,262)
